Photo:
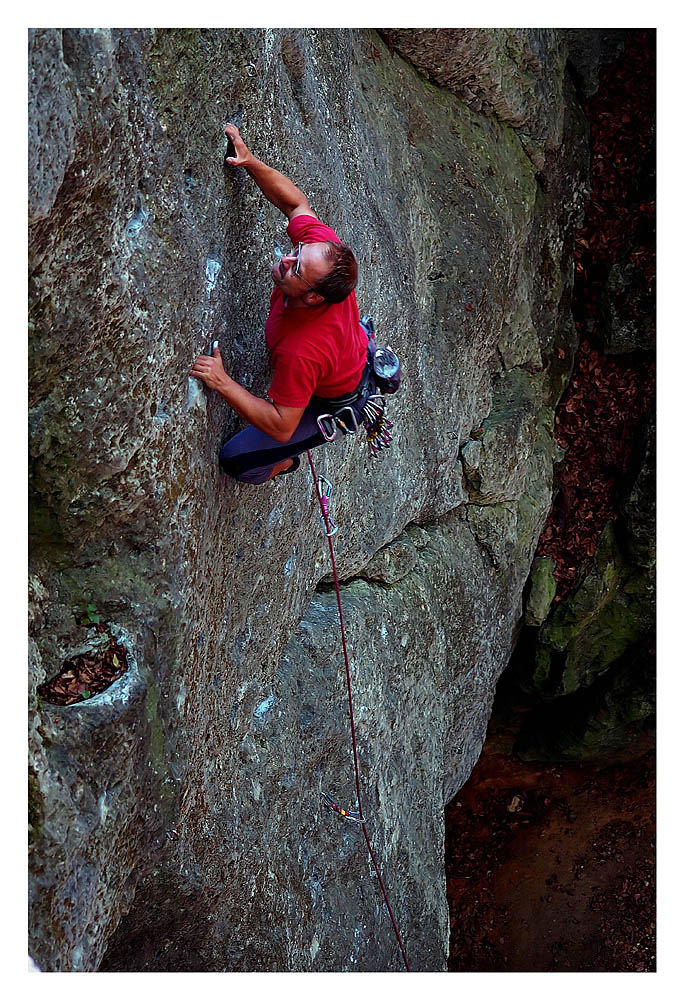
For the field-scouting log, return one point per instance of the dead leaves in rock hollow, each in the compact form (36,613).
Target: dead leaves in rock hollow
(87,674)
(622,119)
(595,424)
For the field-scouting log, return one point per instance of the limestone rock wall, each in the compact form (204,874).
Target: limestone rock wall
(176,820)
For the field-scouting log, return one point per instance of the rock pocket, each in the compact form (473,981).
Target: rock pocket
(89,670)
(100,684)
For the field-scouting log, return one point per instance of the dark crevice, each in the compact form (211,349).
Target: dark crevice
(570,753)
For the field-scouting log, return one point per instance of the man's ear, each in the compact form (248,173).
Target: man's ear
(312,298)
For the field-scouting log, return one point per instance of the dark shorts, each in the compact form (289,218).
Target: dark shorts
(251,455)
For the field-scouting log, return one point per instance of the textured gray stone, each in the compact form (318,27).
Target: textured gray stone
(628,309)
(495,462)
(513,73)
(91,777)
(215,853)
(639,506)
(51,123)
(610,609)
(392,562)
(589,50)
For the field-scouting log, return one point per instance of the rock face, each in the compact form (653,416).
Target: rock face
(514,74)
(176,818)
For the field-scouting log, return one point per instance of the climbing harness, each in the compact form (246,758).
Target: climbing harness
(382,372)
(323,492)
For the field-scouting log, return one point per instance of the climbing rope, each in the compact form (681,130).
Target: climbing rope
(356,815)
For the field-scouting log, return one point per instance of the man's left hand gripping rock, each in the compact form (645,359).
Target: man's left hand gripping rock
(210,370)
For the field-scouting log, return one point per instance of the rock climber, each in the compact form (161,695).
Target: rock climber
(317,344)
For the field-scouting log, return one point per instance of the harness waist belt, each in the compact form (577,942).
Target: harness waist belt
(340,401)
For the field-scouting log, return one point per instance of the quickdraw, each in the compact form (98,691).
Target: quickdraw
(352,814)
(378,427)
(324,492)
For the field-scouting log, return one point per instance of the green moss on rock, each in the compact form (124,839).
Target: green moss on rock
(609,722)
(542,590)
(593,627)
(35,808)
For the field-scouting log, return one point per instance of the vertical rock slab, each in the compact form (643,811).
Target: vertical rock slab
(143,248)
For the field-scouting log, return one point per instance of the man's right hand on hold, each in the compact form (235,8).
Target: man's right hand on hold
(242,157)
(278,188)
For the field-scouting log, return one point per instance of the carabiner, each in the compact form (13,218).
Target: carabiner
(325,491)
(325,487)
(321,426)
(339,419)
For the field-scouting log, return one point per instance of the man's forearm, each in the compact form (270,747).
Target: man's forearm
(256,411)
(278,188)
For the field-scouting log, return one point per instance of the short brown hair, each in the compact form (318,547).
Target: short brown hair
(341,281)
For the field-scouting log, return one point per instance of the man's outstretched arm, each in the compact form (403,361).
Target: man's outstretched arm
(278,188)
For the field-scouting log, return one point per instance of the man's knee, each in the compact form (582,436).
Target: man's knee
(231,461)
(227,461)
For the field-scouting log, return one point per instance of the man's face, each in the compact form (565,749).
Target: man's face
(313,267)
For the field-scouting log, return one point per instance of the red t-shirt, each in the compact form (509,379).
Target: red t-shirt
(314,352)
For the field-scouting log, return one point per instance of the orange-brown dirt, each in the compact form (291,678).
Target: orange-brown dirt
(552,867)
